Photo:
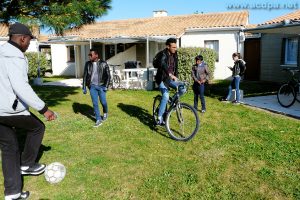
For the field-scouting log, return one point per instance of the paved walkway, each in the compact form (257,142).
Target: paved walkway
(264,102)
(72,82)
(270,103)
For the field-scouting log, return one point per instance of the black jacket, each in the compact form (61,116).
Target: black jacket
(103,74)
(162,72)
(239,68)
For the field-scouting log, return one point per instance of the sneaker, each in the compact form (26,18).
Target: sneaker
(235,102)
(203,111)
(98,123)
(22,195)
(225,100)
(105,115)
(162,123)
(35,169)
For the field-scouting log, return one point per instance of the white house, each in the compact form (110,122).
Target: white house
(125,40)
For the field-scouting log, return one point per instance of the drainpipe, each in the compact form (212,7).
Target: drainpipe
(147,52)
(147,58)
(238,42)
(91,44)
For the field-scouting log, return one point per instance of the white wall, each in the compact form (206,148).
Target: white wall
(33,46)
(60,64)
(227,46)
(121,58)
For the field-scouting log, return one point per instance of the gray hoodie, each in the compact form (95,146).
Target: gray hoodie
(14,83)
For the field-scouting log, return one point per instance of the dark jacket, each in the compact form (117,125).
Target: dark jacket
(103,74)
(239,68)
(162,71)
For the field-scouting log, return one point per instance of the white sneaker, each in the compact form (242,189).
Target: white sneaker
(22,195)
(98,123)
(105,115)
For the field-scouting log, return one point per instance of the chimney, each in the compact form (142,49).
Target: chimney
(160,13)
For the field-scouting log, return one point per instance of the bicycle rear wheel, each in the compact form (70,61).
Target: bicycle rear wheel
(286,95)
(182,122)
(297,92)
(117,81)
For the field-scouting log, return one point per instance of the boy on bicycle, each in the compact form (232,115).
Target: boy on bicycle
(166,75)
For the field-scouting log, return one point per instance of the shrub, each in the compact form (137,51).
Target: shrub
(186,59)
(35,60)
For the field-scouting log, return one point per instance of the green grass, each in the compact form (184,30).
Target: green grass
(238,153)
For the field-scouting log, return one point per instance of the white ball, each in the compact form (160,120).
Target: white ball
(55,172)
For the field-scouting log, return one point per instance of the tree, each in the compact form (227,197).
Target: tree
(57,15)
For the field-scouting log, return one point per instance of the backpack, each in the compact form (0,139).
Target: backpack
(242,67)
(157,60)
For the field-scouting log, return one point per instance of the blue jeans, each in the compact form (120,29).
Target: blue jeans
(235,82)
(165,95)
(100,91)
(199,91)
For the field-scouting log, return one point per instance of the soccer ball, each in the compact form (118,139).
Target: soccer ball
(55,172)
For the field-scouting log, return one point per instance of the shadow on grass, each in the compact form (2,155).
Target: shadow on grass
(143,116)
(84,109)
(54,95)
(219,88)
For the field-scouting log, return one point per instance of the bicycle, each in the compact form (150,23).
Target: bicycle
(115,81)
(181,119)
(289,92)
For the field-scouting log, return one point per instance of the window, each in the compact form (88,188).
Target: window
(71,53)
(213,44)
(290,51)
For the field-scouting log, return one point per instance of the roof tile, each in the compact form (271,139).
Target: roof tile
(159,26)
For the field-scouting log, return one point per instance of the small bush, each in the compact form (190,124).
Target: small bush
(35,60)
(186,59)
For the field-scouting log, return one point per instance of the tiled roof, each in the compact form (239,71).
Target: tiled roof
(3,30)
(291,16)
(160,26)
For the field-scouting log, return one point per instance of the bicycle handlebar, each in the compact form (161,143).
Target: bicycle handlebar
(114,65)
(292,71)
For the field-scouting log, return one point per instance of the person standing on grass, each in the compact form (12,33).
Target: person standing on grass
(238,71)
(200,75)
(96,77)
(16,98)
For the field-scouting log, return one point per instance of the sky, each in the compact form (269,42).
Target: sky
(259,10)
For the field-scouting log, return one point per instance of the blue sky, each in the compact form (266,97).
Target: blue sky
(260,10)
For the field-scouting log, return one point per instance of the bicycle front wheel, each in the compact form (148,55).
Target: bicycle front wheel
(286,95)
(182,122)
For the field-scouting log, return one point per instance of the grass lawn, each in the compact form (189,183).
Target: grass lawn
(238,153)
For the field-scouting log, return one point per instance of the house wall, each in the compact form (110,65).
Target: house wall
(228,44)
(121,58)
(141,53)
(60,64)
(271,45)
(33,46)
